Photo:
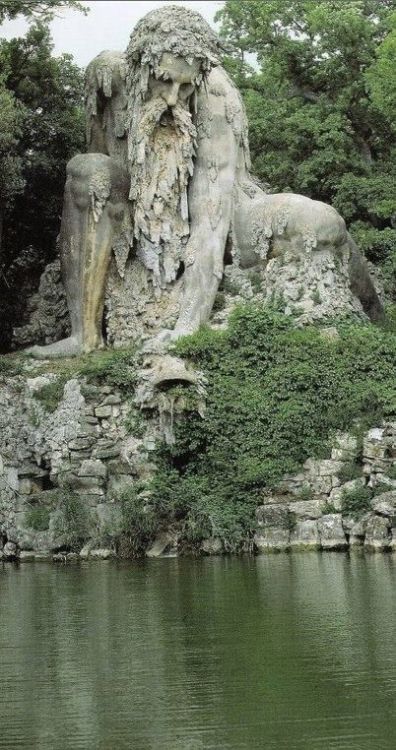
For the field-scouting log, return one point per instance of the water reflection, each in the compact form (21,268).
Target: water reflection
(289,651)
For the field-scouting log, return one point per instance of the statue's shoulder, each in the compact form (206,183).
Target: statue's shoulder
(225,101)
(220,84)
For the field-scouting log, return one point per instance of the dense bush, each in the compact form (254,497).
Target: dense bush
(357,501)
(115,367)
(72,519)
(38,518)
(275,396)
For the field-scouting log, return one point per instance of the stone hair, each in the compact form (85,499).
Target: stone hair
(177,30)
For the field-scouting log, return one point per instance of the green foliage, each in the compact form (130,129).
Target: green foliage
(325,77)
(35,10)
(329,507)
(115,367)
(51,394)
(42,121)
(349,471)
(306,493)
(356,502)
(391,473)
(220,302)
(38,518)
(275,395)
(140,519)
(72,519)
(317,300)
(9,366)
(135,423)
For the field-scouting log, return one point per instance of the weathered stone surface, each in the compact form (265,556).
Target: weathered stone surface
(305,536)
(272,539)
(103,412)
(304,509)
(27,556)
(93,468)
(385,505)
(337,494)
(377,537)
(10,551)
(272,516)
(345,447)
(164,543)
(112,399)
(102,554)
(331,532)
(212,546)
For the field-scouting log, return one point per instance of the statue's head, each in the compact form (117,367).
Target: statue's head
(170,51)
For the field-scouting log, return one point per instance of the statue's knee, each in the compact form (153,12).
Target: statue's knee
(89,175)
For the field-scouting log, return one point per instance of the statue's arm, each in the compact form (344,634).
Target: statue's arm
(210,202)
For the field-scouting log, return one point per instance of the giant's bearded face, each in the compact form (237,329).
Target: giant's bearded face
(171,51)
(162,143)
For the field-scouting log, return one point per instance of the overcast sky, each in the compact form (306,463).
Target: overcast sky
(107,26)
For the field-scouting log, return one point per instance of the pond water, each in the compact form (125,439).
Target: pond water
(286,652)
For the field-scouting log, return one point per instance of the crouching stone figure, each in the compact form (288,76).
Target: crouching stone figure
(165,186)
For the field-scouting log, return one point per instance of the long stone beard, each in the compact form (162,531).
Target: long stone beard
(163,164)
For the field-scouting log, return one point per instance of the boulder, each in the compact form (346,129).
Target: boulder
(331,532)
(164,543)
(212,546)
(10,551)
(336,494)
(272,539)
(345,447)
(305,536)
(102,554)
(273,515)
(27,555)
(356,530)
(385,505)
(377,537)
(92,468)
(303,509)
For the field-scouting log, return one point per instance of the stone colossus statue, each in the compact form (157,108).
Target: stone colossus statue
(163,199)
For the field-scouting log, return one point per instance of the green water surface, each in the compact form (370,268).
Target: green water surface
(286,652)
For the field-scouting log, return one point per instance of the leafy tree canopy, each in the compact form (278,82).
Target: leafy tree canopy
(322,105)
(43,128)
(35,11)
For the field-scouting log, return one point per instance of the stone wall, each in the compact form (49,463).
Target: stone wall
(96,441)
(85,450)
(310,509)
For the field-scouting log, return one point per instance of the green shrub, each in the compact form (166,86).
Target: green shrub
(38,518)
(274,397)
(349,471)
(356,502)
(135,423)
(391,473)
(115,367)
(220,302)
(230,287)
(72,519)
(316,298)
(256,281)
(140,519)
(51,395)
(306,493)
(9,367)
(329,507)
